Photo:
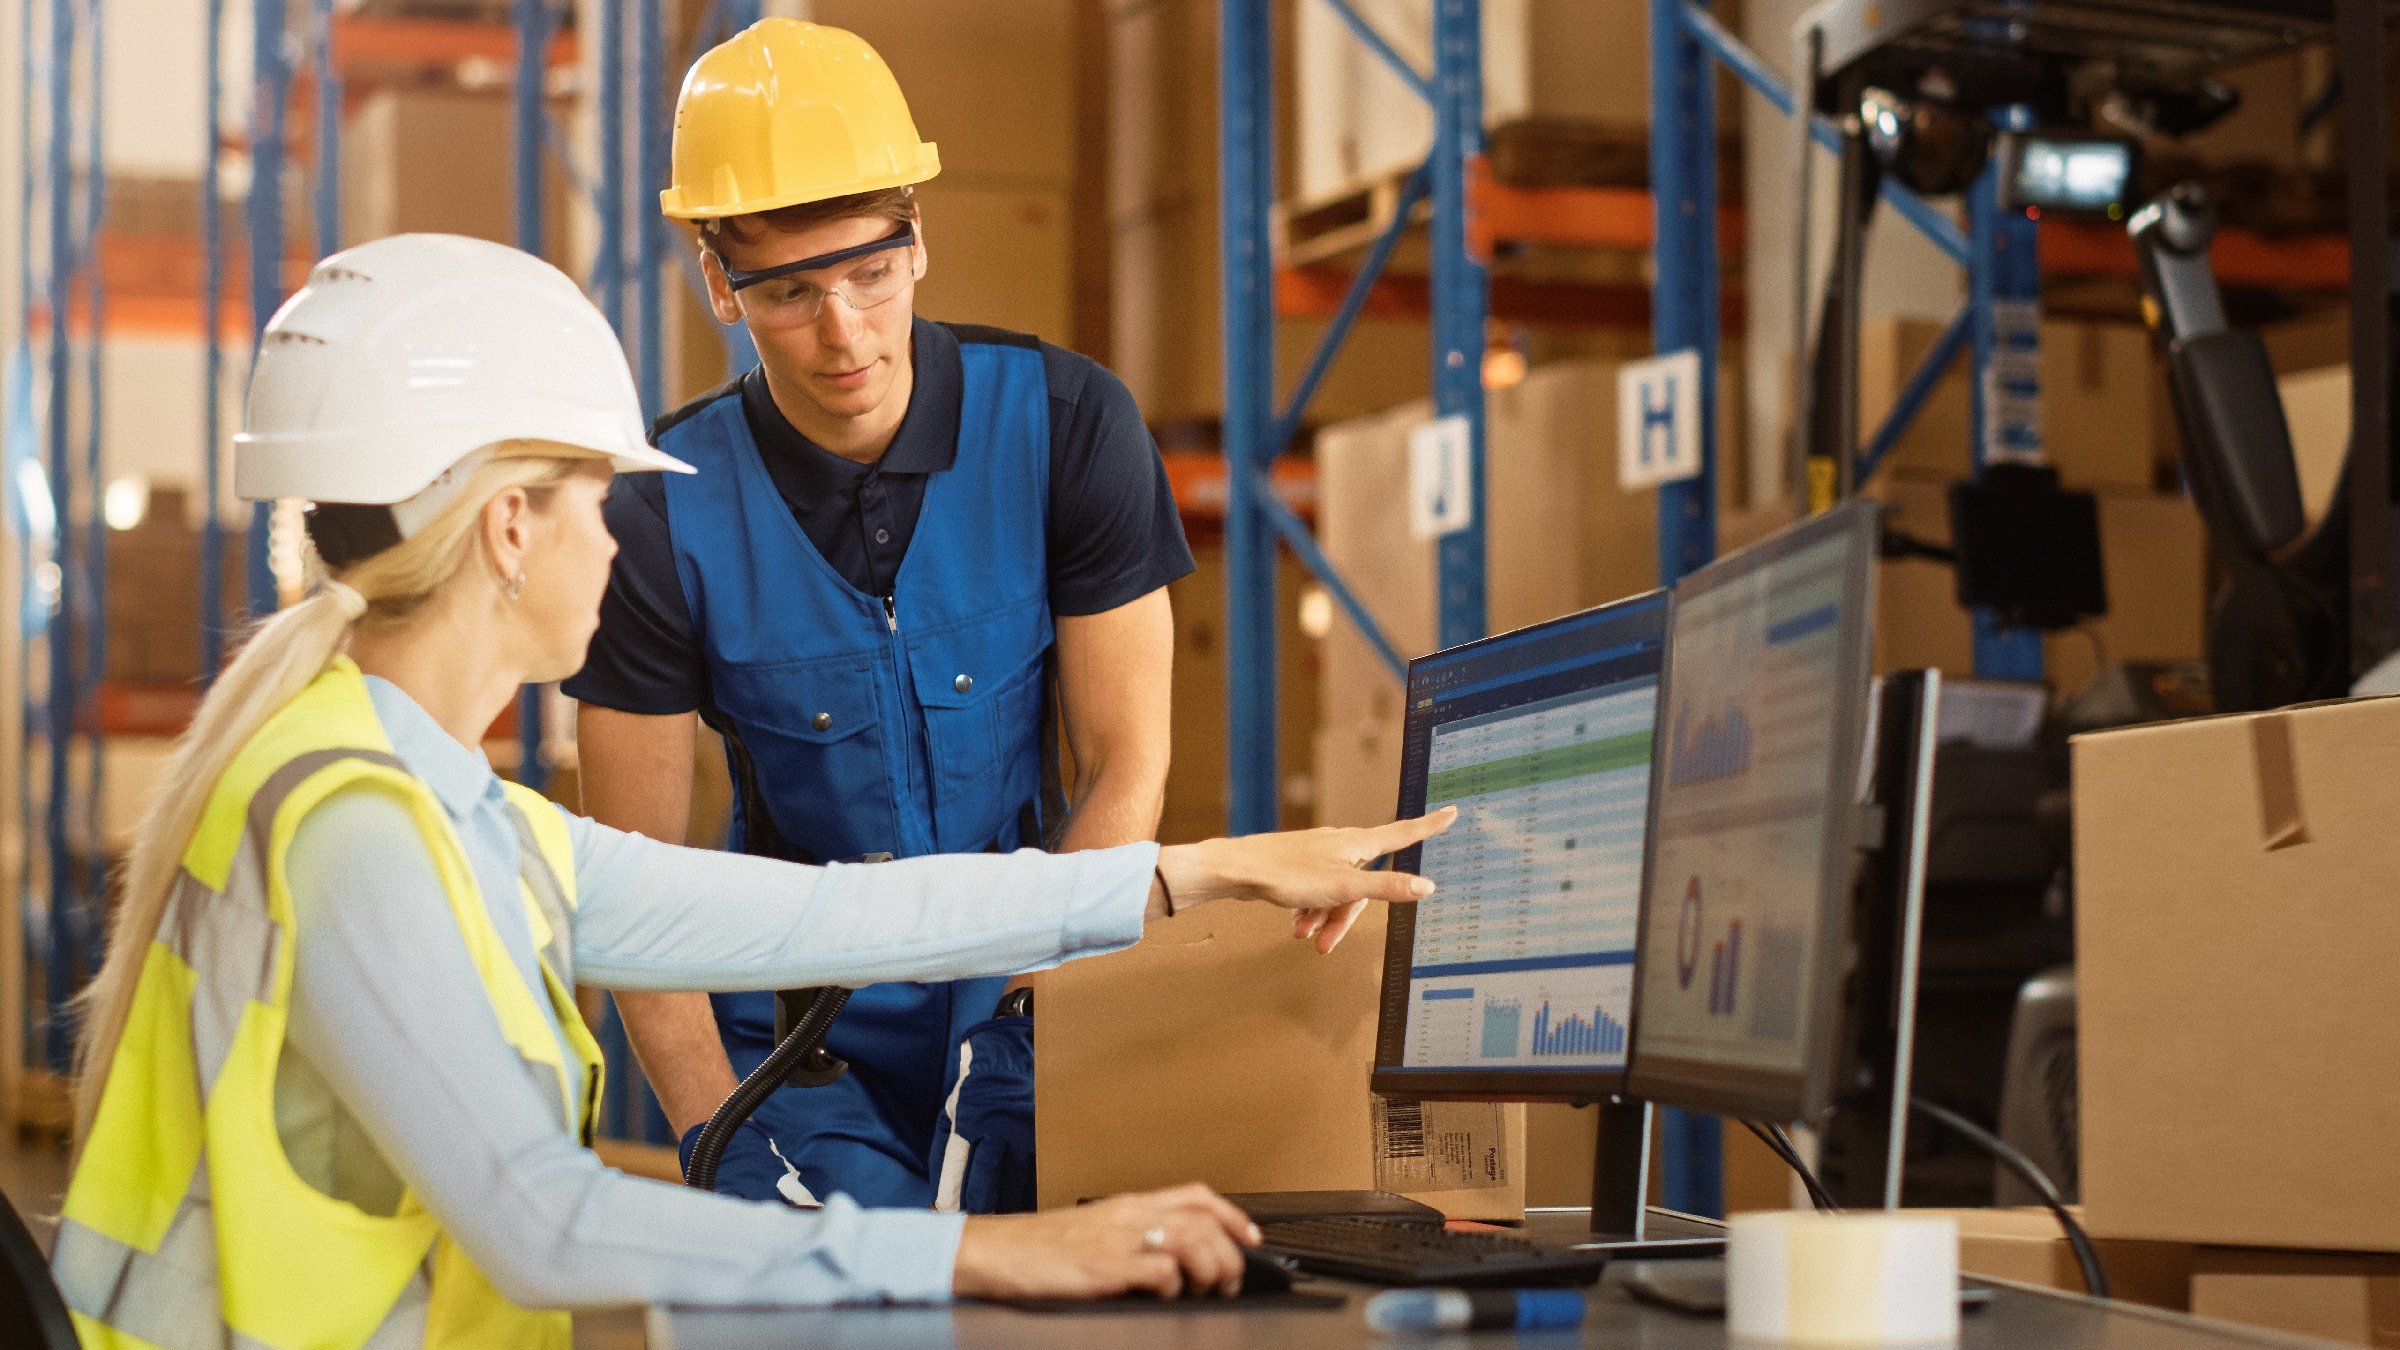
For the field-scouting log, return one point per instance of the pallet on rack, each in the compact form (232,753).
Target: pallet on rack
(1536,154)
(1306,233)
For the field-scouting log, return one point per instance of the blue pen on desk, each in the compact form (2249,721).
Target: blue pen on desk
(1403,1311)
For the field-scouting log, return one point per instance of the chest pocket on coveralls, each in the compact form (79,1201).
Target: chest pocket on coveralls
(980,685)
(813,723)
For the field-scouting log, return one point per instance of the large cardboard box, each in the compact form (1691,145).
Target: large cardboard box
(2350,1298)
(437,160)
(2025,1245)
(2152,547)
(2316,407)
(2347,1297)
(2104,422)
(2239,1017)
(1221,1050)
(1196,801)
(998,256)
(1562,536)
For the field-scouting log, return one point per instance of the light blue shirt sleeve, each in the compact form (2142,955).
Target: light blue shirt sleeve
(388,1011)
(654,916)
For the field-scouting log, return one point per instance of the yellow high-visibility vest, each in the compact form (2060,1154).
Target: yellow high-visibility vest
(185,1224)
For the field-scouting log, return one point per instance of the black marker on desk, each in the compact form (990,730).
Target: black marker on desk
(1403,1311)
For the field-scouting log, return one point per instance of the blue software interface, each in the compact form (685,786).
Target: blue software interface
(1523,960)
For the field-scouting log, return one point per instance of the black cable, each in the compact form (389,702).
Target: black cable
(1781,1145)
(806,1037)
(2095,1280)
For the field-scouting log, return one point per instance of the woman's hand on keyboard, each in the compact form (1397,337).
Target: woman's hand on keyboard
(1187,1240)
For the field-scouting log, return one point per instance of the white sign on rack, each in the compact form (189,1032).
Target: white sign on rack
(1441,497)
(1658,420)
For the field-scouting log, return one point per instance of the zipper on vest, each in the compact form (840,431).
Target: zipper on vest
(891,613)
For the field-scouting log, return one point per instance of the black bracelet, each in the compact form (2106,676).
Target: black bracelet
(1164,889)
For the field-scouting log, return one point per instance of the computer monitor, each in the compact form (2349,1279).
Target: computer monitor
(1514,980)
(1753,825)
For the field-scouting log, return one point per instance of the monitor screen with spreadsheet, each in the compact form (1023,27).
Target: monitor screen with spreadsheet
(1514,979)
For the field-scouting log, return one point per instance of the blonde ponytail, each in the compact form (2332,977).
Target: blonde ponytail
(279,658)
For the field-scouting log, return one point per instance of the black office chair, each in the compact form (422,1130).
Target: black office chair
(32,1314)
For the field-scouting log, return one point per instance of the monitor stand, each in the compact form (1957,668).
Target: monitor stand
(1622,1222)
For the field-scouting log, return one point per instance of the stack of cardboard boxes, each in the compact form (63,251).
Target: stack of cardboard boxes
(2238,1016)
(153,601)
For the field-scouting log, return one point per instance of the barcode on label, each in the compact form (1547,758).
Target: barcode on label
(1404,1130)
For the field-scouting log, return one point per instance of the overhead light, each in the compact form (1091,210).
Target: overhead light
(1503,368)
(1316,612)
(125,502)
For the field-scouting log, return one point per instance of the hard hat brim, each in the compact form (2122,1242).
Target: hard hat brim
(674,205)
(267,468)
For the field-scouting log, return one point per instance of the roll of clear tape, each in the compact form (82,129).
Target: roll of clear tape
(1875,1278)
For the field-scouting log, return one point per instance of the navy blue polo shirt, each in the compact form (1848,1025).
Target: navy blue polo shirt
(1114,535)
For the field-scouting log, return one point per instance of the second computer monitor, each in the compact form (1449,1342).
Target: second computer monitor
(1514,980)
(1745,921)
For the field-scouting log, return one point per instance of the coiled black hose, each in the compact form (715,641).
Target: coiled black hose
(798,1049)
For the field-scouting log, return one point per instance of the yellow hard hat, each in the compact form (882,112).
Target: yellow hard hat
(787,112)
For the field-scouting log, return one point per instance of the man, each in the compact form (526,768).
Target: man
(902,535)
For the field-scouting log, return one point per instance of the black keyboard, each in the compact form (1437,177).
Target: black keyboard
(1401,1251)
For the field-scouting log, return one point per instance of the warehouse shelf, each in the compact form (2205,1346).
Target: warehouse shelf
(1318,256)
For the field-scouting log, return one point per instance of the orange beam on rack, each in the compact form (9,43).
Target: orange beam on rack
(1588,217)
(2298,262)
(131,708)
(1198,480)
(153,286)
(366,45)
(1315,292)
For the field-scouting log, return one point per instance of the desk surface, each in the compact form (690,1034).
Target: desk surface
(2017,1317)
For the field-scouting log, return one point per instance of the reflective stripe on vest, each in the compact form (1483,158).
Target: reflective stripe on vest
(185,1224)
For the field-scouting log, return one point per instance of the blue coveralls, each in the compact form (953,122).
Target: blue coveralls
(909,729)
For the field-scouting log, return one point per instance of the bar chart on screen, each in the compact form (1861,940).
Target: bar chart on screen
(1571,1017)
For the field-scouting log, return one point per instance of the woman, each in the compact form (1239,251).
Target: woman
(334,1088)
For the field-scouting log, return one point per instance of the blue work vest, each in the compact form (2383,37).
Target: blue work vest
(905,729)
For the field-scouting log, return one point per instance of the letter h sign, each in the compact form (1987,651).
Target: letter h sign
(1658,420)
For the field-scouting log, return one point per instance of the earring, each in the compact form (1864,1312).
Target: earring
(515,586)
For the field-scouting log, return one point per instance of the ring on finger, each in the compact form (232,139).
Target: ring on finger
(1155,1239)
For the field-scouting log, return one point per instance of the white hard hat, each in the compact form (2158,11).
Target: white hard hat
(402,358)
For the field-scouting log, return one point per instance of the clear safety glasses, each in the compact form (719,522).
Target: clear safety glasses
(794,293)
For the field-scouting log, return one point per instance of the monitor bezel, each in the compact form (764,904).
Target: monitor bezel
(1514,1084)
(1805,1094)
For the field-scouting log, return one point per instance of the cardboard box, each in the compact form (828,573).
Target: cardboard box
(1355,120)
(2234,938)
(1221,1050)
(997,256)
(2348,1298)
(2103,412)
(2025,1245)
(2152,547)
(153,600)
(1562,536)
(1196,801)
(2316,408)
(438,160)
